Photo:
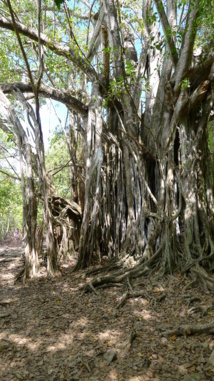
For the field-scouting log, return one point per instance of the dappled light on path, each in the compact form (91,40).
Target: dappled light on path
(50,330)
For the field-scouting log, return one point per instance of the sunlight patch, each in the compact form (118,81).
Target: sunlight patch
(82,322)
(23,340)
(144,314)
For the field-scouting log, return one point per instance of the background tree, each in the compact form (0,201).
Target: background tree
(10,190)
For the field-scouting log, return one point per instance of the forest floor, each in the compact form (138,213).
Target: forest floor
(50,330)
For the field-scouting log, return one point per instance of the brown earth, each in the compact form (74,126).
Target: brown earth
(50,330)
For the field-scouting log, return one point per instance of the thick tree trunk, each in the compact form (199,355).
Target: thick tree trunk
(94,159)
(149,188)
(155,198)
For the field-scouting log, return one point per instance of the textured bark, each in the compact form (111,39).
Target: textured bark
(149,187)
(28,189)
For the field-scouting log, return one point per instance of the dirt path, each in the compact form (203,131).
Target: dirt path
(51,331)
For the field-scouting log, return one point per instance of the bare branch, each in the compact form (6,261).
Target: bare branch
(48,92)
(10,175)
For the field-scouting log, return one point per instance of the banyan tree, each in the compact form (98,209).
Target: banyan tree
(137,78)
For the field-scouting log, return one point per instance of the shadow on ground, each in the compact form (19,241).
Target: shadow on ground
(49,330)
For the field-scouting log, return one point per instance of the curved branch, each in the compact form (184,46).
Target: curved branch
(58,49)
(48,92)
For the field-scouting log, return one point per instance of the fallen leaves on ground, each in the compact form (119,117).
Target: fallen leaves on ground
(49,330)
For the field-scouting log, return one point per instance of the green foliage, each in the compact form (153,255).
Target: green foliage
(185,84)
(10,189)
(58,3)
(10,205)
(130,69)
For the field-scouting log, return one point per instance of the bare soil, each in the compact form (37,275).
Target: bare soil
(50,330)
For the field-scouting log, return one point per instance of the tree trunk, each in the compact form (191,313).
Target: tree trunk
(153,186)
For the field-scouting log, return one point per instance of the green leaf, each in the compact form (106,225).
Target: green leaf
(58,3)
(107,50)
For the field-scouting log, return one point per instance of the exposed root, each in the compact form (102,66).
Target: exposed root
(194,299)
(118,278)
(111,285)
(19,275)
(90,287)
(191,284)
(206,281)
(85,364)
(202,310)
(188,329)
(128,295)
(132,336)
(105,269)
(197,308)
(201,278)
(123,299)
(160,298)
(129,285)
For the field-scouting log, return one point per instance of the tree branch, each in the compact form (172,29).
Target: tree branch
(48,92)
(10,175)
(58,49)
(187,46)
(167,31)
